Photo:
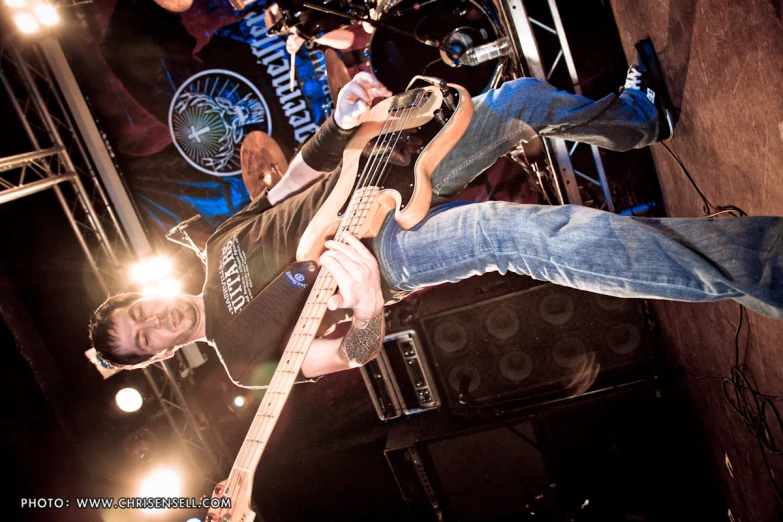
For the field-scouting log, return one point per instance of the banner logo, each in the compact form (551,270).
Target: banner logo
(210,114)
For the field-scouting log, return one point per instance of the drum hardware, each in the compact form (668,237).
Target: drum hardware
(439,35)
(433,37)
(533,158)
(367,19)
(185,239)
(455,45)
(486,52)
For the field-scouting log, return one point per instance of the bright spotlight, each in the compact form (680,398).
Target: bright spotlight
(129,400)
(15,3)
(239,401)
(163,288)
(161,483)
(193,520)
(26,23)
(151,269)
(46,14)
(170,287)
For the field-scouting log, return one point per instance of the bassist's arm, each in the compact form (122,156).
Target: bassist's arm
(324,151)
(357,342)
(298,176)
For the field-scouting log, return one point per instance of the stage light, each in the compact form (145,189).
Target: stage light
(161,483)
(15,3)
(147,270)
(46,14)
(128,399)
(163,288)
(239,401)
(26,23)
(193,520)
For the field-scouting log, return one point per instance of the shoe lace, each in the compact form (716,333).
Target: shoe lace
(633,80)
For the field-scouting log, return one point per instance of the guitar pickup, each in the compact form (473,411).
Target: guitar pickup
(408,99)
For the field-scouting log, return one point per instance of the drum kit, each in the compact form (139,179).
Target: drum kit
(460,41)
(410,37)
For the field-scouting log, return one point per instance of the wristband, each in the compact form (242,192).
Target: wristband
(324,151)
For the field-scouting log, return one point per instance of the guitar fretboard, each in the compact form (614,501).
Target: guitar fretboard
(295,352)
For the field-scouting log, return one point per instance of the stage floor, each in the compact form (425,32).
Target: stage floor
(723,62)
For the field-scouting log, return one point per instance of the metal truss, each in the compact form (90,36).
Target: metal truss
(198,435)
(552,35)
(57,159)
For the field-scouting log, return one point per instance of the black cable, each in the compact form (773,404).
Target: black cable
(709,209)
(753,407)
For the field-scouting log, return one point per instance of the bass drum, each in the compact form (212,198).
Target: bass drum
(396,56)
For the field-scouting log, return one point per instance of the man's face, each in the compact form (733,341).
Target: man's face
(155,325)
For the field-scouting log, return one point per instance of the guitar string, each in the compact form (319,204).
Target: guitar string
(301,353)
(356,219)
(384,170)
(380,166)
(259,421)
(379,145)
(366,203)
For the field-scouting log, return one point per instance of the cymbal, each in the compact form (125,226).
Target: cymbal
(262,161)
(175,6)
(337,74)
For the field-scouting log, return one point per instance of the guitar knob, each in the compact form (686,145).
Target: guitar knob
(449,100)
(439,117)
(210,518)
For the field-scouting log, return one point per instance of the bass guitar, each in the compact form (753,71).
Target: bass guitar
(386,166)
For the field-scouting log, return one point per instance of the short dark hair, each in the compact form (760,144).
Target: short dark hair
(103,332)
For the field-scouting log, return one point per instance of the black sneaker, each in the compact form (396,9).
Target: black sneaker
(646,76)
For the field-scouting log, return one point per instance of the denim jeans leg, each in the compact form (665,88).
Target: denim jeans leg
(520,109)
(679,259)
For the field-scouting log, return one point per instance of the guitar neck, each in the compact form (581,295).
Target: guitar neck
(363,217)
(296,350)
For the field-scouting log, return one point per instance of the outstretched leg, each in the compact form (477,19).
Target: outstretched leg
(681,259)
(521,109)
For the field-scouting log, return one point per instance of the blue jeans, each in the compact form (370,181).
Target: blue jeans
(677,258)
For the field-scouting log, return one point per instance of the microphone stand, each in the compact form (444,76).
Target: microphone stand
(186,240)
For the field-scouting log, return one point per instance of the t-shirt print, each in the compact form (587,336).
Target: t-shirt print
(235,276)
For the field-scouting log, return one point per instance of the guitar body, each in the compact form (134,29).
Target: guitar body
(406,189)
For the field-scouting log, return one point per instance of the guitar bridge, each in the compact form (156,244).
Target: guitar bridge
(408,99)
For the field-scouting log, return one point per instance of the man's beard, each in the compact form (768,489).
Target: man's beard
(187,319)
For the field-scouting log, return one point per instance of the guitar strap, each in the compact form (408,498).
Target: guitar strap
(263,326)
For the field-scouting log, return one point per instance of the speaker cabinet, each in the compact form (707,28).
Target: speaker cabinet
(462,473)
(599,457)
(532,342)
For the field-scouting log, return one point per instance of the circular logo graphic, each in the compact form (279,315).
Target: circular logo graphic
(209,116)
(299,277)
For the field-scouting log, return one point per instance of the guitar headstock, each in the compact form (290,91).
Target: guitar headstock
(239,496)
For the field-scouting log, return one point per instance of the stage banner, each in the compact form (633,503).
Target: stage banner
(176,93)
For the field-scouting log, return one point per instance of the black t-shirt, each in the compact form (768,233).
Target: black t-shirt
(247,252)
(253,247)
